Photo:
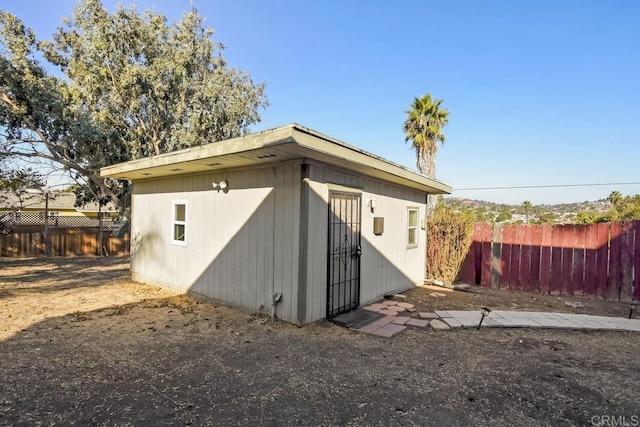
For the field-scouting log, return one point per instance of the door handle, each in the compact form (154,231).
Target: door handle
(356,251)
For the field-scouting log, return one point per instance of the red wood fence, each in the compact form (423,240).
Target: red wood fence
(64,242)
(600,260)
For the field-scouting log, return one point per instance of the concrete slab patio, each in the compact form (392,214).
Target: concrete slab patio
(528,319)
(396,322)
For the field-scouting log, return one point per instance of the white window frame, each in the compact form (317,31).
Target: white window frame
(175,222)
(413,245)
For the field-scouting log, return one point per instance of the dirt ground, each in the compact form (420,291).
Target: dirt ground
(82,345)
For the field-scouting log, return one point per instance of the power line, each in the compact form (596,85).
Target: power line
(547,186)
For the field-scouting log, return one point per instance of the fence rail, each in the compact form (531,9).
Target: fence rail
(15,220)
(600,260)
(29,241)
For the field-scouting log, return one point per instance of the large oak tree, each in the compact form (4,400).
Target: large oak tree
(112,87)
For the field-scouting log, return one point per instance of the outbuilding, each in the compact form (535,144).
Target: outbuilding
(286,219)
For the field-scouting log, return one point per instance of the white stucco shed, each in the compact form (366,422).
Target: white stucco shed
(286,214)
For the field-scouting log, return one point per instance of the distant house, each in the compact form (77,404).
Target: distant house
(30,209)
(287,219)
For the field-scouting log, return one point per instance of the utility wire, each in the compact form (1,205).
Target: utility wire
(546,186)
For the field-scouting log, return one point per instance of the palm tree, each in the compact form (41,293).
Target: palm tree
(615,198)
(526,205)
(423,127)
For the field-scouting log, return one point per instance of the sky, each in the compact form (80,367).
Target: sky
(540,92)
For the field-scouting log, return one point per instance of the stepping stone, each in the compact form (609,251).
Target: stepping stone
(424,315)
(400,320)
(378,305)
(418,322)
(411,310)
(405,305)
(371,308)
(390,302)
(388,312)
(396,308)
(439,325)
(399,297)
(437,295)
(574,304)
(453,323)
(389,330)
(376,324)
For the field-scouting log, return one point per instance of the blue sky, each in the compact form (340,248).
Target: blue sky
(540,92)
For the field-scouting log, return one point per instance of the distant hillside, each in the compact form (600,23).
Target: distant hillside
(510,214)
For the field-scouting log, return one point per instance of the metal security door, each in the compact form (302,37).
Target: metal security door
(343,263)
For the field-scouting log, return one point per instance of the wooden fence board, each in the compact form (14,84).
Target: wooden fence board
(468,269)
(555,285)
(496,251)
(626,261)
(602,273)
(615,261)
(63,242)
(545,259)
(601,260)
(485,255)
(590,259)
(577,273)
(507,243)
(534,267)
(567,260)
(524,236)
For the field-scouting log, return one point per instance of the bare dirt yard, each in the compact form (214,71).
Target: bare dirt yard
(80,344)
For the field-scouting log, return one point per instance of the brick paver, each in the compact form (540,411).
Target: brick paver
(418,322)
(389,330)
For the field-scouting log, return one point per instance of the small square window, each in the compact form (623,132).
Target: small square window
(412,228)
(179,223)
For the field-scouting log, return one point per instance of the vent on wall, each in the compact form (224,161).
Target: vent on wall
(266,156)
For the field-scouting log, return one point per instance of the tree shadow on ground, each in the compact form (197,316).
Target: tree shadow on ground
(175,360)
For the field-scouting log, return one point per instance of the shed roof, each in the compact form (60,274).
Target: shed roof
(280,144)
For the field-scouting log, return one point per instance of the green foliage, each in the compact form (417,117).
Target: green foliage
(449,236)
(623,208)
(527,205)
(18,182)
(133,86)
(546,218)
(423,128)
(503,216)
(587,217)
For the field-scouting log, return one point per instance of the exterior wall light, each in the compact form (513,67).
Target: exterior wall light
(372,204)
(222,185)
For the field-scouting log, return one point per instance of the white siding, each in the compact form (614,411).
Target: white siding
(387,265)
(242,244)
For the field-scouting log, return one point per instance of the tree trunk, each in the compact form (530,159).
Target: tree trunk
(426,163)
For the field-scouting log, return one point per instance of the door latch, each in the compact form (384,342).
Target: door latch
(356,251)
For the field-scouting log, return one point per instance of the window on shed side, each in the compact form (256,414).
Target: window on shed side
(179,223)
(412,227)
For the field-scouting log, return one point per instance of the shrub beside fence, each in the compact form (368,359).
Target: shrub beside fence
(600,260)
(27,242)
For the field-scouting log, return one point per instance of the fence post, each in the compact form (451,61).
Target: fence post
(496,260)
(100,252)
